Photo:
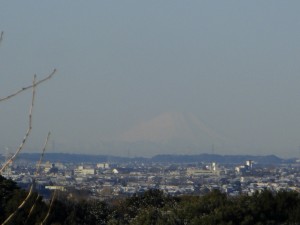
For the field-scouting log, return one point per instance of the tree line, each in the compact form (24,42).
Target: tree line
(150,208)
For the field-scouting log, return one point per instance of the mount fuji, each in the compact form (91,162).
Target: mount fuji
(172,132)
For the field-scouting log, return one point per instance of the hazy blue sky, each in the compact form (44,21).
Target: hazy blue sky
(232,64)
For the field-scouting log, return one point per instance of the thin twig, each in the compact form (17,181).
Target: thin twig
(11,159)
(28,87)
(42,155)
(54,194)
(32,208)
(50,207)
(20,206)
(36,173)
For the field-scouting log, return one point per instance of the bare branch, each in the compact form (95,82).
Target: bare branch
(54,194)
(28,87)
(42,155)
(50,207)
(11,159)
(21,146)
(32,208)
(36,173)
(20,206)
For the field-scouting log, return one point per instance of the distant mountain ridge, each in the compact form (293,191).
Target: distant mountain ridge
(222,159)
(233,159)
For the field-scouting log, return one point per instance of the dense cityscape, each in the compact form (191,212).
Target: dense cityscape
(105,180)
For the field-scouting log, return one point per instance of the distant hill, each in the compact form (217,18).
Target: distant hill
(223,159)
(232,159)
(70,158)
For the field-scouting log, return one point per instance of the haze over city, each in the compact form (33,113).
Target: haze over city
(156,77)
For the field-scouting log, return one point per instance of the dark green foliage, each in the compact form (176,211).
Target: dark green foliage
(132,207)
(155,208)
(11,196)
(7,189)
(261,208)
(82,212)
(156,216)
